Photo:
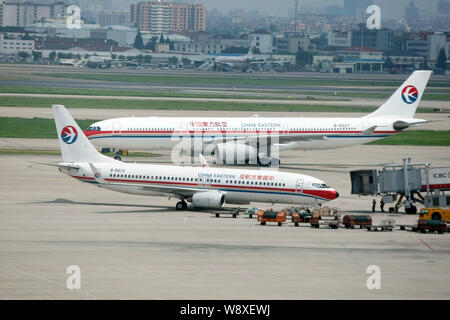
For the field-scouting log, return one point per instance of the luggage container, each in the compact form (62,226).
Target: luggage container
(432,225)
(271,216)
(302,217)
(385,225)
(350,221)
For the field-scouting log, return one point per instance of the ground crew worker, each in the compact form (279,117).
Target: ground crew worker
(374,203)
(382,205)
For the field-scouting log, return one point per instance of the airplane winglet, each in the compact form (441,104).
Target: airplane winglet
(203,161)
(368,130)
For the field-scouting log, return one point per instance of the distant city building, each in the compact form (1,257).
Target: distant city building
(412,14)
(380,39)
(14,46)
(404,59)
(261,40)
(164,17)
(22,13)
(443,8)
(368,58)
(124,35)
(340,38)
(291,44)
(61,44)
(356,8)
(113,18)
(426,44)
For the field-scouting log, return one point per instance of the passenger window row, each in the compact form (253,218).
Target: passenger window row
(184,179)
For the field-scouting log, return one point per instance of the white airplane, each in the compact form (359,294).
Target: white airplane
(235,61)
(253,139)
(204,187)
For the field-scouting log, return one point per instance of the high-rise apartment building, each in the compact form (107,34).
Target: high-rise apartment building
(162,17)
(21,13)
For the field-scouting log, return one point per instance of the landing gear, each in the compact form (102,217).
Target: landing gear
(181,205)
(117,155)
(269,162)
(411,210)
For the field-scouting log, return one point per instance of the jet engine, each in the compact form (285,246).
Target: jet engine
(208,199)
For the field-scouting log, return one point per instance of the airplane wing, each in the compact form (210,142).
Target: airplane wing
(174,191)
(60,165)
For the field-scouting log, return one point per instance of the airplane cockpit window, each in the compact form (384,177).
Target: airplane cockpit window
(320,185)
(93,129)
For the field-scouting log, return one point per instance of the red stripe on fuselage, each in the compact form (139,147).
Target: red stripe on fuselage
(325,194)
(97,133)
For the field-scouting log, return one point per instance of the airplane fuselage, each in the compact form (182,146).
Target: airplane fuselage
(238,186)
(151,133)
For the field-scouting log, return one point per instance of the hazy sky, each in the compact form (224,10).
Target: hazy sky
(389,8)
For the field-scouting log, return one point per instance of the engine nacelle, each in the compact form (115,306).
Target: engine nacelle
(233,152)
(208,199)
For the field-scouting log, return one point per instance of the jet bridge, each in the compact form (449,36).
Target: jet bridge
(404,183)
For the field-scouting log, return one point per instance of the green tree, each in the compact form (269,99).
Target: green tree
(24,55)
(442,60)
(138,43)
(151,44)
(161,39)
(303,58)
(173,60)
(388,64)
(121,57)
(36,55)
(114,56)
(52,56)
(147,58)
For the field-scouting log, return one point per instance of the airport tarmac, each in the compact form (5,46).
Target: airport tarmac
(132,247)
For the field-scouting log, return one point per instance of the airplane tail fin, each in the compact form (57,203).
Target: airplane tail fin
(250,52)
(74,145)
(405,100)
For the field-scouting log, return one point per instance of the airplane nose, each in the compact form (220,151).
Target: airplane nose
(336,195)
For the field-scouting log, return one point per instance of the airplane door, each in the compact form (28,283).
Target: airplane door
(116,128)
(204,182)
(365,125)
(299,186)
(285,128)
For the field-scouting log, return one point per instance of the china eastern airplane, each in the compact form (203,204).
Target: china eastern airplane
(204,187)
(255,137)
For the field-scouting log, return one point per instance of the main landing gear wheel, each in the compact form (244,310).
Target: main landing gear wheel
(269,162)
(181,205)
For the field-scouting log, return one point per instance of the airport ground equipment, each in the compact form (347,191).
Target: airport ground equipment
(234,212)
(350,221)
(404,184)
(316,221)
(301,217)
(435,214)
(431,226)
(325,211)
(271,216)
(385,225)
(252,211)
